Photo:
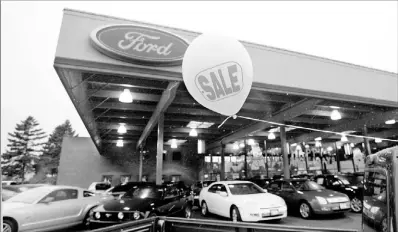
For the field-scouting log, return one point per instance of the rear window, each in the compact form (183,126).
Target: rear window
(102,186)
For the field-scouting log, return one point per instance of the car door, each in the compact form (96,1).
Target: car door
(211,198)
(288,193)
(221,201)
(169,201)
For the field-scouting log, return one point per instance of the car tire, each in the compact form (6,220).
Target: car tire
(204,210)
(305,210)
(9,226)
(356,205)
(235,214)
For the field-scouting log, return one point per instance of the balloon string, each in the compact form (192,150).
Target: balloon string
(224,122)
(306,128)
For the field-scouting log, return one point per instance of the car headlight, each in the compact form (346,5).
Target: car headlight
(120,215)
(374,210)
(97,215)
(322,200)
(136,215)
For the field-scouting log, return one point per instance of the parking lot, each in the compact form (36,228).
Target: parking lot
(349,221)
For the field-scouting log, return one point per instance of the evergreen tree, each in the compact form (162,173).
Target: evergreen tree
(52,149)
(24,148)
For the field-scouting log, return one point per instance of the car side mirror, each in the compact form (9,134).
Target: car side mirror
(223,194)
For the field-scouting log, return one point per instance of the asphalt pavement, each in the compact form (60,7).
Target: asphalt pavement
(348,221)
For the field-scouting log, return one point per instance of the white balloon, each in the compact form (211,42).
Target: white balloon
(218,73)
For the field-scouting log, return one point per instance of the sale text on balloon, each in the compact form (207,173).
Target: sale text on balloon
(219,82)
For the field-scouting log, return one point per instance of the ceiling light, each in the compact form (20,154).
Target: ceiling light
(235,146)
(330,149)
(318,144)
(241,145)
(193,133)
(126,96)
(344,138)
(271,136)
(389,122)
(294,144)
(173,143)
(201,125)
(164,152)
(119,143)
(318,139)
(378,140)
(122,129)
(335,107)
(250,142)
(307,146)
(352,145)
(335,115)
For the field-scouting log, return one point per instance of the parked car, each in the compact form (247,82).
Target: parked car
(6,182)
(241,201)
(180,185)
(340,184)
(47,208)
(9,191)
(303,176)
(99,187)
(119,190)
(197,187)
(141,202)
(308,198)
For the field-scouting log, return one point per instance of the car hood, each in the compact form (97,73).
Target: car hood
(326,193)
(8,206)
(126,204)
(261,200)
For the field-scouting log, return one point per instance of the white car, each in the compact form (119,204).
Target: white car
(99,187)
(241,201)
(48,208)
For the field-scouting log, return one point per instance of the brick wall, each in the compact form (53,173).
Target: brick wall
(81,164)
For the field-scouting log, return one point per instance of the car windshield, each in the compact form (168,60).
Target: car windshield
(306,185)
(30,196)
(144,193)
(244,189)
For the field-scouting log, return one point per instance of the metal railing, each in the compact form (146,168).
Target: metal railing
(167,224)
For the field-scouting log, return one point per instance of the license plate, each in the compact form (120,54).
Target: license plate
(274,212)
(344,205)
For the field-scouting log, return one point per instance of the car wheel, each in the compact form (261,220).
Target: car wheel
(235,215)
(204,210)
(305,210)
(384,226)
(9,226)
(356,205)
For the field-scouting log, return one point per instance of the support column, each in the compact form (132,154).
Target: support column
(246,151)
(211,167)
(337,158)
(159,153)
(222,174)
(286,171)
(368,151)
(140,166)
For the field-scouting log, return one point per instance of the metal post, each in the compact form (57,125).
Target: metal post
(222,174)
(368,151)
(140,167)
(337,158)
(246,150)
(159,154)
(286,171)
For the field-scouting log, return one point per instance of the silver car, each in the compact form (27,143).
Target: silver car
(48,208)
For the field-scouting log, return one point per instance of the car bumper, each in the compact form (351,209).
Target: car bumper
(263,215)
(98,224)
(334,208)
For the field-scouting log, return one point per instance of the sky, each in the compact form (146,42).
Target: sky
(362,33)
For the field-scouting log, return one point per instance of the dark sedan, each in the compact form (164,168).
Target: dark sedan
(139,203)
(307,197)
(119,190)
(340,184)
(197,187)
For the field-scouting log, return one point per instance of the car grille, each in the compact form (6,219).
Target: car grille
(114,218)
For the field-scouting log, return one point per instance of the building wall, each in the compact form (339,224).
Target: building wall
(81,164)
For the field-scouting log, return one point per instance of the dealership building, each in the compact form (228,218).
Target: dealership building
(124,78)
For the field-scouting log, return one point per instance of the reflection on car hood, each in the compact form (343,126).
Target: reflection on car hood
(261,199)
(326,193)
(127,204)
(7,206)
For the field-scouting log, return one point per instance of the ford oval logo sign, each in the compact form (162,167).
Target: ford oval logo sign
(140,45)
